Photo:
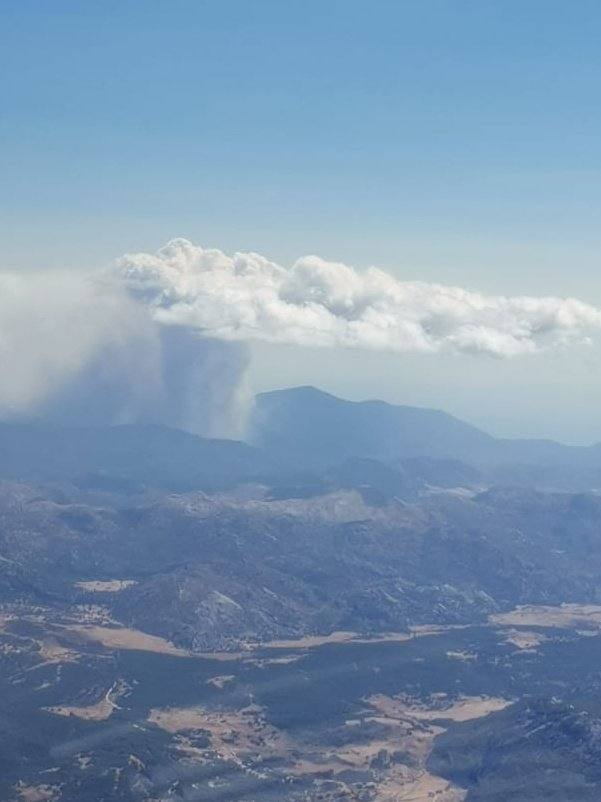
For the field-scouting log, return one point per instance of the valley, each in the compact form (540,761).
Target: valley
(100,711)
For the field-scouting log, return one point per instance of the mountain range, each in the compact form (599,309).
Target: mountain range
(362,602)
(300,441)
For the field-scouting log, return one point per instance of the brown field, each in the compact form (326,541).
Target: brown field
(232,733)
(343,636)
(105,585)
(36,793)
(99,711)
(124,638)
(523,639)
(409,727)
(223,657)
(311,641)
(412,730)
(565,616)
(53,652)
(463,709)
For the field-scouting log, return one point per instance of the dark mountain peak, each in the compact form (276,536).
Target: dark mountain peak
(308,394)
(318,428)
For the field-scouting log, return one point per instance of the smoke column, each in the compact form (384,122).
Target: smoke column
(80,351)
(179,379)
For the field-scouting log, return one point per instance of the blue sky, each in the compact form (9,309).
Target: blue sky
(449,141)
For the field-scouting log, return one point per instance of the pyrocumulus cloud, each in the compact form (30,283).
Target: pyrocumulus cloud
(320,303)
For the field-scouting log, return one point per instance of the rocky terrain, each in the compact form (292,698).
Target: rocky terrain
(183,619)
(218,571)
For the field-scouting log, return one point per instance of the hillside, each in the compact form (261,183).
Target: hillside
(316,429)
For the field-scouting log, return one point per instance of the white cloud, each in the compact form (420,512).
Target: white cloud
(315,302)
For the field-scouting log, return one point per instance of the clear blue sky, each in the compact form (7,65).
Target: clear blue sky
(448,140)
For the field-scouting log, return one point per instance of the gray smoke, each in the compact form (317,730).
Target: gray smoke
(81,351)
(190,382)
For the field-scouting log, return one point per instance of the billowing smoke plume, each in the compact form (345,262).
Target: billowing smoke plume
(323,303)
(81,351)
(178,378)
(55,328)
(162,338)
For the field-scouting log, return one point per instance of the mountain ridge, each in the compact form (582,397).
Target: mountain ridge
(276,427)
(300,438)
